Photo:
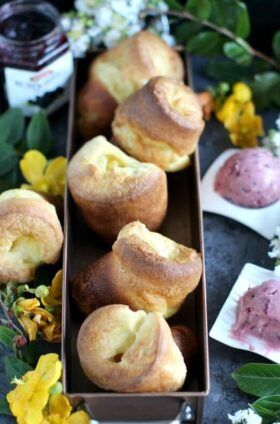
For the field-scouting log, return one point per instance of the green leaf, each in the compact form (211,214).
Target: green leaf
(231,14)
(258,379)
(7,336)
(174,5)
(39,135)
(242,27)
(266,89)
(205,43)
(199,8)
(226,70)
(4,407)
(276,45)
(237,52)
(29,353)
(268,407)
(8,158)
(15,367)
(11,126)
(5,185)
(185,30)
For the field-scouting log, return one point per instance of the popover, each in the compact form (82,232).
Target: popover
(30,235)
(161,123)
(113,189)
(119,72)
(144,270)
(126,351)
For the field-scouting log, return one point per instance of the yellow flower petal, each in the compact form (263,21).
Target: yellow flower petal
(59,405)
(33,166)
(28,399)
(27,305)
(54,298)
(30,327)
(79,417)
(49,366)
(242,92)
(26,187)
(42,185)
(57,168)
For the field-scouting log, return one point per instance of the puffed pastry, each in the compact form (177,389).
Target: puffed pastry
(161,123)
(113,189)
(144,270)
(119,72)
(30,235)
(126,351)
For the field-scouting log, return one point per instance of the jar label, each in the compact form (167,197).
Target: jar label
(46,89)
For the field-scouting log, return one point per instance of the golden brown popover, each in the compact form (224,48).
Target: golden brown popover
(130,352)
(119,72)
(161,123)
(113,189)
(30,235)
(145,270)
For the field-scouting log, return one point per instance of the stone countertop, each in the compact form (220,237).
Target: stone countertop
(228,246)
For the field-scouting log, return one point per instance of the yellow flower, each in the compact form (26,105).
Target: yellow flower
(43,175)
(33,318)
(238,116)
(79,417)
(241,92)
(28,400)
(54,298)
(59,410)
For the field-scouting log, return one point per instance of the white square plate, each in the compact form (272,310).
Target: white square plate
(250,276)
(262,220)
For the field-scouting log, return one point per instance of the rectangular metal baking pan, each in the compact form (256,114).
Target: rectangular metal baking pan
(183,224)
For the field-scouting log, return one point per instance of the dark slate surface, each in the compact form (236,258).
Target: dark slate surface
(228,246)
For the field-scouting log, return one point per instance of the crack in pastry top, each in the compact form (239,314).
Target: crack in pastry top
(156,243)
(30,234)
(102,170)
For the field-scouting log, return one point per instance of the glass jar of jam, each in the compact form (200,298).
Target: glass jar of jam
(35,56)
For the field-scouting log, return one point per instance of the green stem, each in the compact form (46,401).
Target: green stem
(221,30)
(8,318)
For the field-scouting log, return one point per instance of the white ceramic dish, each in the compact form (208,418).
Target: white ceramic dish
(262,220)
(250,276)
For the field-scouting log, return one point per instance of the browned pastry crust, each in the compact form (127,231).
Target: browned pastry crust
(161,123)
(144,270)
(113,189)
(93,287)
(186,341)
(126,351)
(95,108)
(119,72)
(30,235)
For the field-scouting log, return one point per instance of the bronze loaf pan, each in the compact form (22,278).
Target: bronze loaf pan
(183,223)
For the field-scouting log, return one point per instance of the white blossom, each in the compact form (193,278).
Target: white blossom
(275,251)
(246,416)
(80,45)
(106,22)
(111,38)
(275,244)
(278,122)
(169,39)
(103,17)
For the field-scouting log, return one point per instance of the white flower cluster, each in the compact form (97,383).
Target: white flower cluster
(246,416)
(275,252)
(106,22)
(272,140)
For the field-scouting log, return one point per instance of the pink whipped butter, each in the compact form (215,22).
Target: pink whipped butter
(259,313)
(250,178)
